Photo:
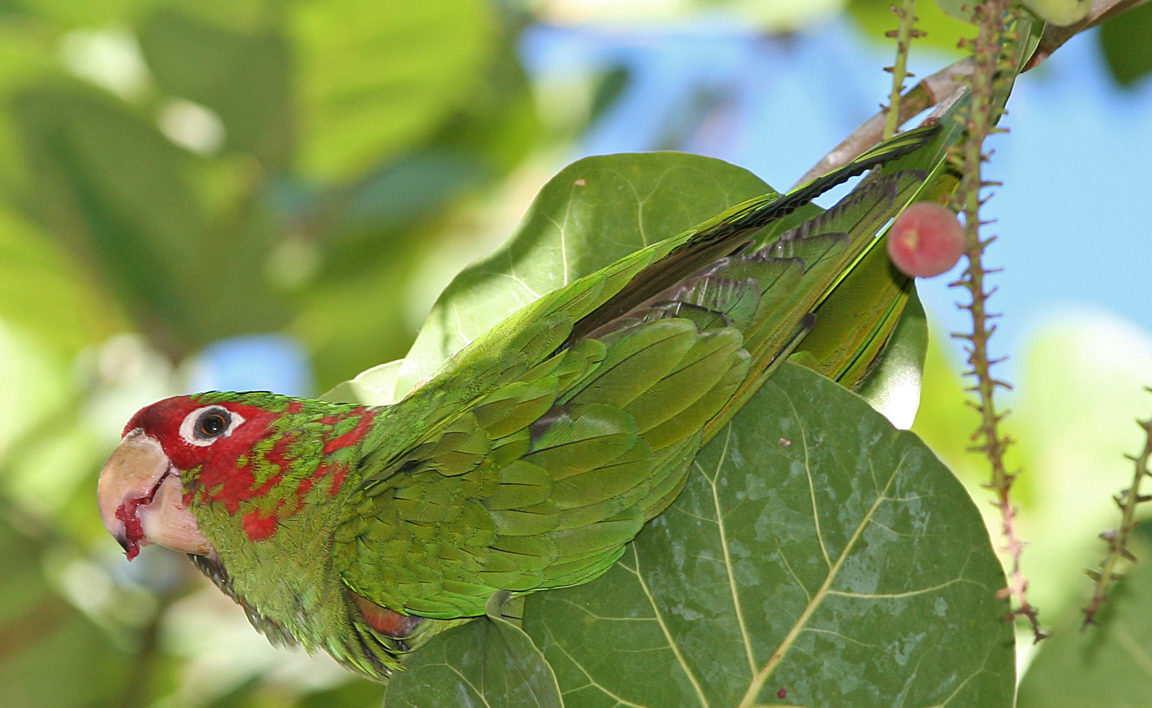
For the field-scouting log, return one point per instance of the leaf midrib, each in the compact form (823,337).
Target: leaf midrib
(762,676)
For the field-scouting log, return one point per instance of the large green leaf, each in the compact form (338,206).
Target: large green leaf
(816,557)
(489,662)
(602,208)
(375,386)
(590,214)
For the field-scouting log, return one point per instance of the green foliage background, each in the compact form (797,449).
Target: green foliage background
(175,172)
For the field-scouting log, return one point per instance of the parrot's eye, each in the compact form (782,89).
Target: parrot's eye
(204,425)
(210,425)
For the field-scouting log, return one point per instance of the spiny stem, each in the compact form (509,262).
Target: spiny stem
(944,85)
(1117,539)
(993,64)
(899,69)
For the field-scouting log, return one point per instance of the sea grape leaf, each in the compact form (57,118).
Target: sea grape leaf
(817,556)
(892,386)
(589,215)
(374,387)
(487,662)
(600,209)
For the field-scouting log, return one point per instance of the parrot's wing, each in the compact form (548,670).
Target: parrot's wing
(558,318)
(541,480)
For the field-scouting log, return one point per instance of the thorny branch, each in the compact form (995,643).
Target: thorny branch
(993,72)
(978,73)
(944,86)
(1117,539)
(899,69)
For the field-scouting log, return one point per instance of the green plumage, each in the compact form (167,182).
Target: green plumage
(539,451)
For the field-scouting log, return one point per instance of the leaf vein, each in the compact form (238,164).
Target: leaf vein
(733,588)
(668,633)
(761,677)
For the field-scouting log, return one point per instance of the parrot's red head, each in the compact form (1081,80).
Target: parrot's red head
(253,456)
(142,491)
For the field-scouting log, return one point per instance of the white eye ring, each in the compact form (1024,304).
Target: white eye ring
(207,424)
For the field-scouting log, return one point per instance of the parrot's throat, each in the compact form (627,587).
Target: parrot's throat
(216,572)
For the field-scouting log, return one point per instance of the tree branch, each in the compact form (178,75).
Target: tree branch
(945,86)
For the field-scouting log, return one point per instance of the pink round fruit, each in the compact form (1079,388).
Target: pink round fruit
(925,240)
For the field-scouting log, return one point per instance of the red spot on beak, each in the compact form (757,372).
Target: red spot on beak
(133,528)
(133,531)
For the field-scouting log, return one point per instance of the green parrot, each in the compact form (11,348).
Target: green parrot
(526,463)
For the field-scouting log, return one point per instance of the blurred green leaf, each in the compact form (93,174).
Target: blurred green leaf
(1105,665)
(374,79)
(379,218)
(590,214)
(51,654)
(242,15)
(956,9)
(844,561)
(355,694)
(21,61)
(944,27)
(109,185)
(1124,40)
(243,77)
(44,291)
(95,12)
(1081,387)
(119,194)
(498,123)
(344,338)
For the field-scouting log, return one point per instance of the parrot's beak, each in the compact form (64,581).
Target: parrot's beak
(141,499)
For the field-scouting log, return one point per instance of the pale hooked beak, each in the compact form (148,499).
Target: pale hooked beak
(141,499)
